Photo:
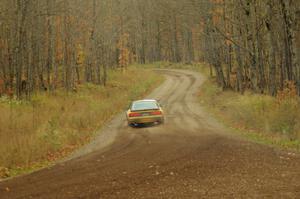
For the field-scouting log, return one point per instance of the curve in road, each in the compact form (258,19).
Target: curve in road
(190,156)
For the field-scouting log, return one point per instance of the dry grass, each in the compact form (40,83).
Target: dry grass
(264,118)
(50,126)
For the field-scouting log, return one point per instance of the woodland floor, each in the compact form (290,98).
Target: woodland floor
(190,156)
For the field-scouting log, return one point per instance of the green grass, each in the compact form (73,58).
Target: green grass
(36,133)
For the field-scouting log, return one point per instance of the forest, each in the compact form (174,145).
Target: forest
(68,67)
(50,44)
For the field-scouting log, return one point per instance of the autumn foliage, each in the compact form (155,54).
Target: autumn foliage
(124,52)
(1,87)
(289,92)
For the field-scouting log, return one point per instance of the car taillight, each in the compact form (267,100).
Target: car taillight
(134,114)
(156,113)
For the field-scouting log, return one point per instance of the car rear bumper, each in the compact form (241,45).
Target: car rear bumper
(145,119)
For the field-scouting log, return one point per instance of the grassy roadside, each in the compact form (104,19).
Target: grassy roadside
(170,65)
(260,118)
(264,119)
(35,134)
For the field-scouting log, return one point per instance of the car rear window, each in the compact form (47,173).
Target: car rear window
(146,105)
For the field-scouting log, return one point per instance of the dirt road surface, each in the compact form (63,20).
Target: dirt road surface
(190,156)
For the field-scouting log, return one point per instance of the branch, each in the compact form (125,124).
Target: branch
(232,41)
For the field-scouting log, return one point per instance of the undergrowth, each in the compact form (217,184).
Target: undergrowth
(266,119)
(35,133)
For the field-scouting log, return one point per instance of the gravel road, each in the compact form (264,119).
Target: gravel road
(190,156)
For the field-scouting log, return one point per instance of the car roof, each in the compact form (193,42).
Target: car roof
(145,100)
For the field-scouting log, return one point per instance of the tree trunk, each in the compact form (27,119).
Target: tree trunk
(271,42)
